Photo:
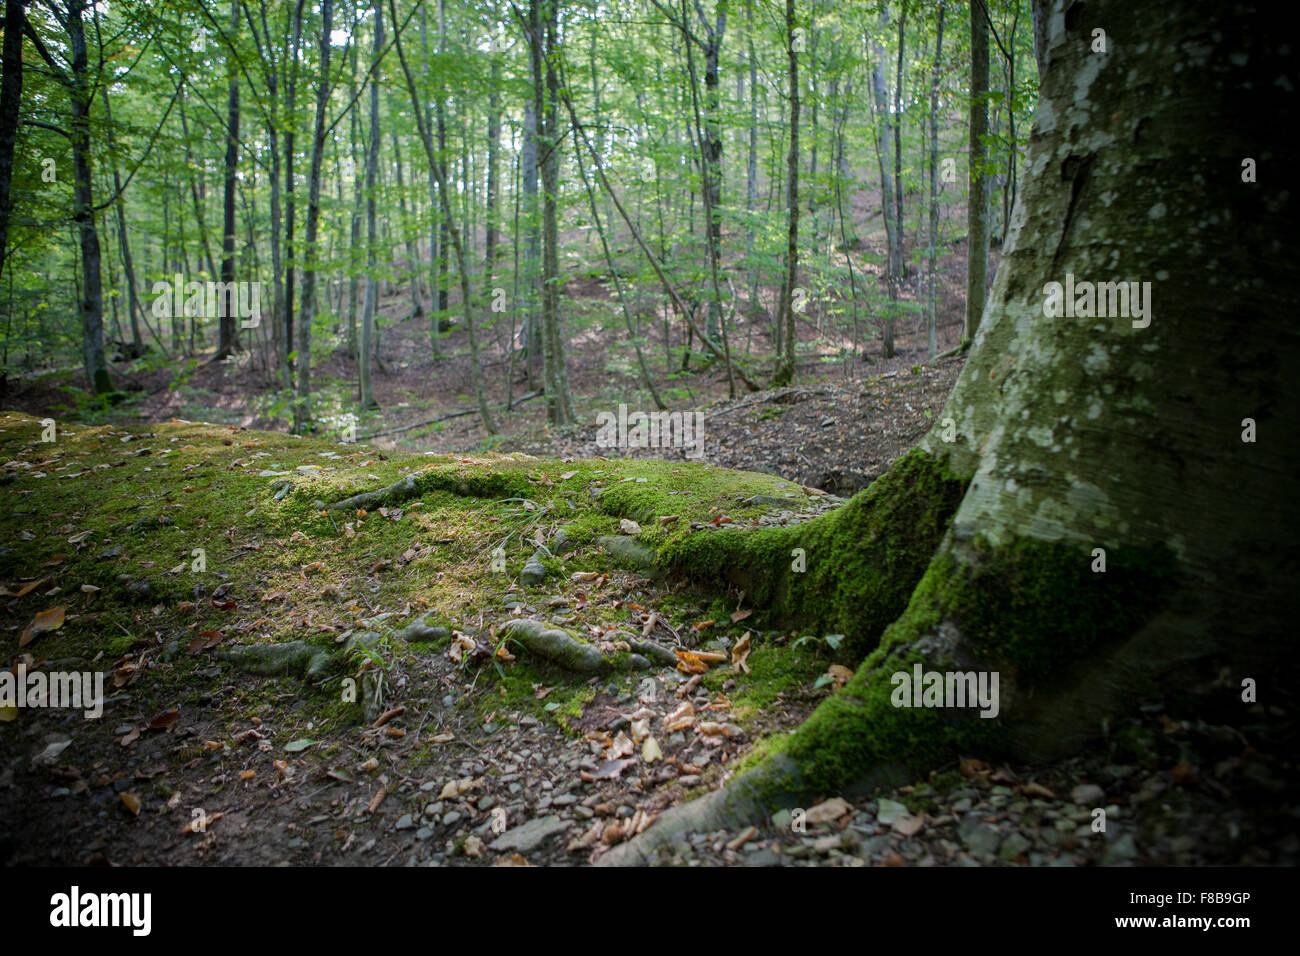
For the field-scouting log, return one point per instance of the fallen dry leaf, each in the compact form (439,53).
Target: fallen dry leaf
(740,655)
(165,720)
(680,718)
(203,641)
(839,674)
(609,770)
(48,620)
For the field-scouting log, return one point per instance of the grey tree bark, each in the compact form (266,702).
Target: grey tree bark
(311,266)
(932,247)
(371,303)
(977,210)
(784,373)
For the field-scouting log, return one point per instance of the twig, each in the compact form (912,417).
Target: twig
(407,428)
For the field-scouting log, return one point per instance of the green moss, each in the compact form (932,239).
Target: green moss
(1034,607)
(775,670)
(862,561)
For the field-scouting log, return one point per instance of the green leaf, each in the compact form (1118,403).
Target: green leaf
(302,743)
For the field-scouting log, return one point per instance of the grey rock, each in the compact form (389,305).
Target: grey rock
(534,572)
(1013,845)
(979,837)
(889,811)
(1123,850)
(531,835)
(405,822)
(770,501)
(631,552)
(1088,795)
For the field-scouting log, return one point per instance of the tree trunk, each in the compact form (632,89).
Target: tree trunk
(128,263)
(413,261)
(1071,435)
(291,98)
(882,136)
(751,170)
(11,96)
(435,299)
(372,171)
(711,148)
(977,208)
(532,234)
(931,312)
(358,199)
(784,373)
(227,336)
(559,401)
(307,314)
(898,146)
(1040,36)
(443,226)
(92,294)
(467,303)
(491,242)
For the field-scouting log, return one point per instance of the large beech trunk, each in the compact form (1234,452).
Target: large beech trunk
(1072,434)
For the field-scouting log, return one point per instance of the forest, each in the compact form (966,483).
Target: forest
(646,432)
(323,199)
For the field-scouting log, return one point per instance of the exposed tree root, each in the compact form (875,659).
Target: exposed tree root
(559,647)
(272,660)
(402,490)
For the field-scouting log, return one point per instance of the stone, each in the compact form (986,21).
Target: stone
(1123,850)
(534,833)
(1088,795)
(534,572)
(890,810)
(1014,845)
(979,837)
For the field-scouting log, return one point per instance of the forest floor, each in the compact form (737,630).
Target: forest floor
(276,705)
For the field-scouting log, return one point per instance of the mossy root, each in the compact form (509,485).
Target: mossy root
(559,647)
